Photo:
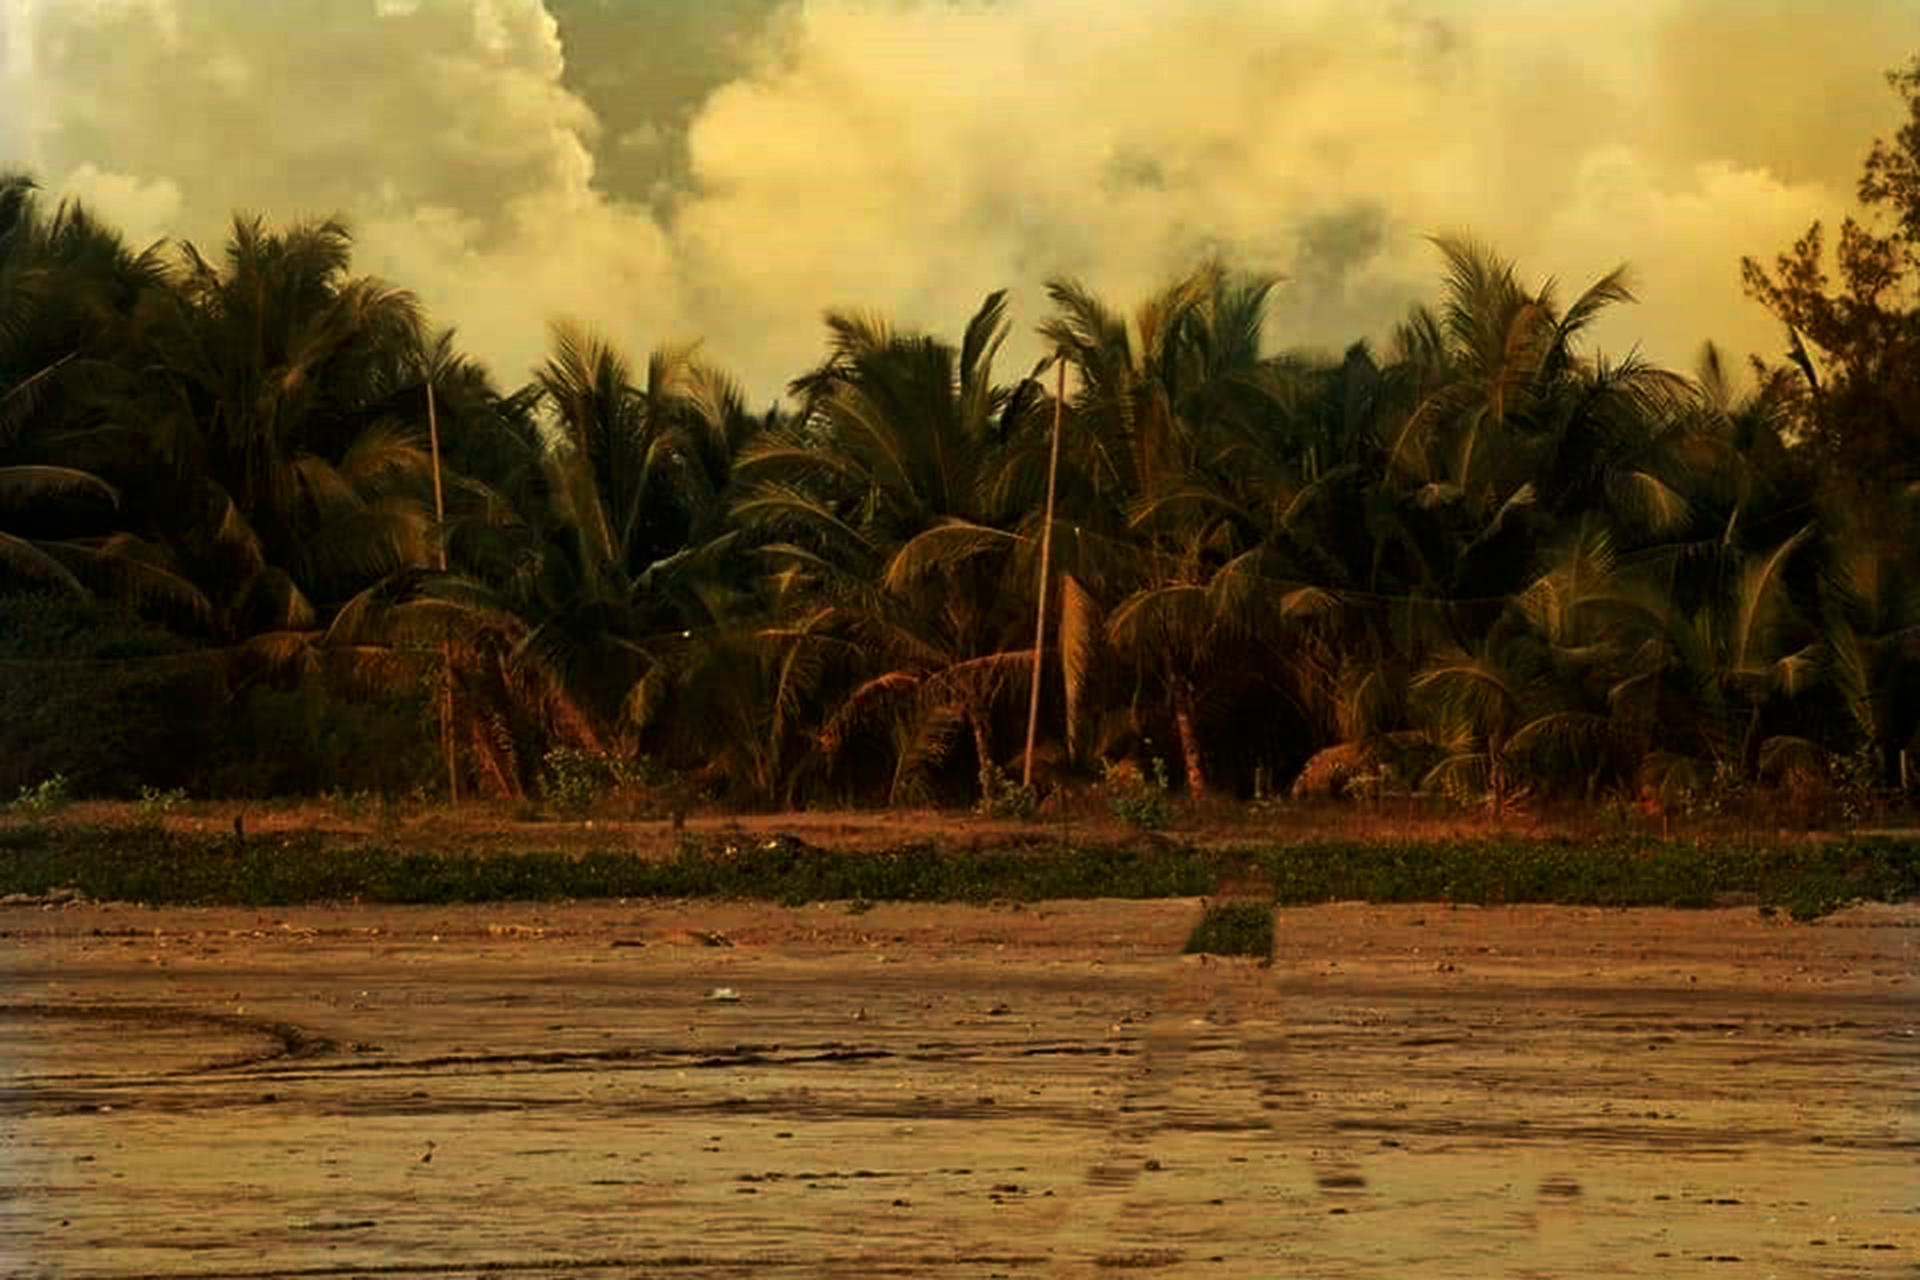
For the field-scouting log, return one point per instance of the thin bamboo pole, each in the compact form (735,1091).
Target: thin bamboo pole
(1046,574)
(446,647)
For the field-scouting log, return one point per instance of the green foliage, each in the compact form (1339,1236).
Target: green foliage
(314,739)
(1234,929)
(156,803)
(1855,776)
(43,799)
(161,867)
(574,782)
(1136,799)
(89,691)
(1003,798)
(351,805)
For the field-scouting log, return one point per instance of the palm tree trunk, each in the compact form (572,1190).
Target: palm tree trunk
(1750,748)
(1184,724)
(1497,773)
(982,750)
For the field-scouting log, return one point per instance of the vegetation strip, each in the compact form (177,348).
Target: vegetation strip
(164,868)
(1243,927)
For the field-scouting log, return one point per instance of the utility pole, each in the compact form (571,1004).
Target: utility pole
(1046,570)
(446,646)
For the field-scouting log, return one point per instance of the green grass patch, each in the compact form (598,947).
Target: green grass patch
(1241,928)
(150,865)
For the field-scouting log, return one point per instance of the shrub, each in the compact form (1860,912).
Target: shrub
(1242,928)
(43,799)
(155,804)
(312,739)
(1134,798)
(574,782)
(1002,797)
(99,696)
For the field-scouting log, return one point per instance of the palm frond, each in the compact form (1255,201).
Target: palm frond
(1649,502)
(1759,601)
(1469,694)
(25,483)
(22,557)
(942,549)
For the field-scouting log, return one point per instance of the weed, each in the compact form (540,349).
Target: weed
(43,799)
(1002,797)
(351,805)
(574,782)
(1136,799)
(156,803)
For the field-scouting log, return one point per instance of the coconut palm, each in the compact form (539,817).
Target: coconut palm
(275,395)
(1184,471)
(68,290)
(898,496)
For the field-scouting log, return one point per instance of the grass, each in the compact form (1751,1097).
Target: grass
(165,867)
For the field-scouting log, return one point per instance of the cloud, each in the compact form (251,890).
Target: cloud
(441,129)
(911,155)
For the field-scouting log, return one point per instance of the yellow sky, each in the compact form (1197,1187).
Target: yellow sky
(731,177)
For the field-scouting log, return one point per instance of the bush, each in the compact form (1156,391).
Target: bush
(1134,798)
(1234,929)
(96,695)
(575,782)
(155,804)
(43,799)
(1002,797)
(311,740)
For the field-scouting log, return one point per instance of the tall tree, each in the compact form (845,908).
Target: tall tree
(1856,341)
(896,495)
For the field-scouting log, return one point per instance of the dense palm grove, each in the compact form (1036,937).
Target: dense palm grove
(1481,559)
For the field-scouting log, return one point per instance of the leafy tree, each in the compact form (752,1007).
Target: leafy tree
(1856,340)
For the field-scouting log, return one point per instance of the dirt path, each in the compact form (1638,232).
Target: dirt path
(948,1091)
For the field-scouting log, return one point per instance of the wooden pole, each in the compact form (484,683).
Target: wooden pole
(1046,572)
(446,647)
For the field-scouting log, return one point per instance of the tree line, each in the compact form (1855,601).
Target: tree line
(264,530)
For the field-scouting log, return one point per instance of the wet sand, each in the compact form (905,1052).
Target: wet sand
(910,1091)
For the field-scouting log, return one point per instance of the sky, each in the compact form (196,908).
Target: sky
(666,170)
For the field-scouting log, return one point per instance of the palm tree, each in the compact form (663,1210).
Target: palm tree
(276,394)
(897,496)
(1197,468)
(68,290)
